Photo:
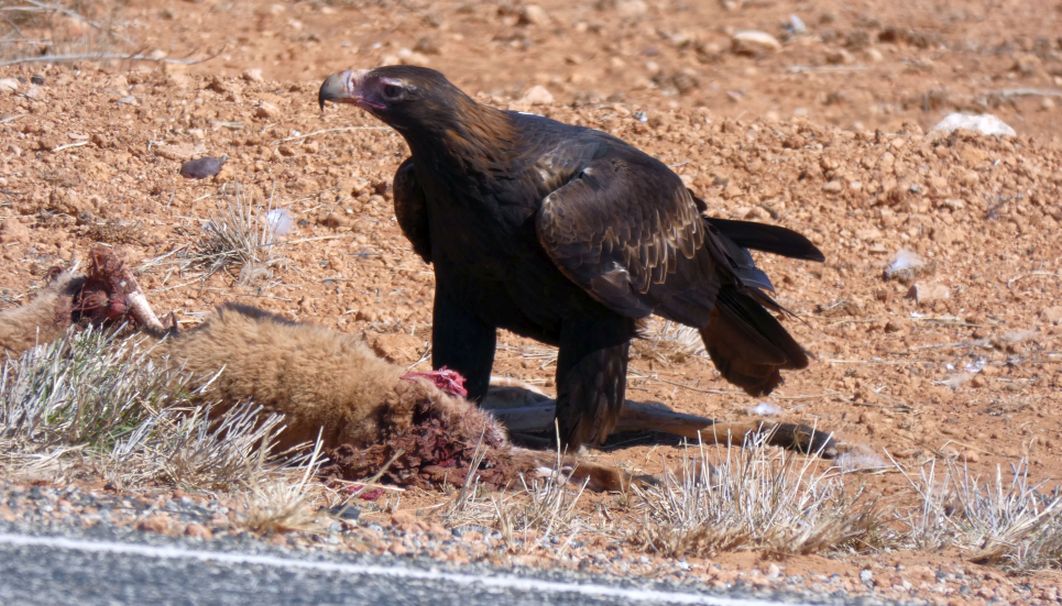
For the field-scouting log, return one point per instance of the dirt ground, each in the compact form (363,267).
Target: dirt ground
(828,134)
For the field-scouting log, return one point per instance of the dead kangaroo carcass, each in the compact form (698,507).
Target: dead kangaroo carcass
(371,413)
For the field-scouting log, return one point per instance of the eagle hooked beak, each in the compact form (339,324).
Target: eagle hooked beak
(341,87)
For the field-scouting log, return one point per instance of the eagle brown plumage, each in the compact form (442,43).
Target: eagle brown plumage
(570,236)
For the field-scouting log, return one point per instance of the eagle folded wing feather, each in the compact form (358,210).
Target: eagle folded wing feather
(618,234)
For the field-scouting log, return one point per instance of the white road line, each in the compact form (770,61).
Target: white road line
(400,572)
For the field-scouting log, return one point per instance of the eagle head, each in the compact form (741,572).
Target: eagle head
(403,96)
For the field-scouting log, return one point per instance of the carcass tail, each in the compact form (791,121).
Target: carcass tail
(747,344)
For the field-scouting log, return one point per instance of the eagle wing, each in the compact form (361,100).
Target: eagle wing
(411,209)
(627,231)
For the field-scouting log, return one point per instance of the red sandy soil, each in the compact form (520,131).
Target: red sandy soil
(828,135)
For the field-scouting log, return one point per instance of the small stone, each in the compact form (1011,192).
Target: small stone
(333,220)
(537,95)
(427,46)
(984,124)
(198,531)
(265,109)
(905,266)
(8,85)
(867,577)
(37,80)
(928,292)
(12,230)
(754,43)
(1052,314)
(201,168)
(533,14)
(796,26)
(873,55)
(154,523)
(177,151)
(833,187)
(253,74)
(839,57)
(631,8)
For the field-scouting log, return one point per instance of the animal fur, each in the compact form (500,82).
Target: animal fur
(321,380)
(45,318)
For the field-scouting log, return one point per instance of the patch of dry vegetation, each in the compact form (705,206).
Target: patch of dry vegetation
(1007,520)
(756,498)
(542,510)
(97,403)
(237,238)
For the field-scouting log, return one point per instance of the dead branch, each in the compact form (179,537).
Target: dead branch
(106,56)
(35,6)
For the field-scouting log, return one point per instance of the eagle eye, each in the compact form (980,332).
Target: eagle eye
(392,92)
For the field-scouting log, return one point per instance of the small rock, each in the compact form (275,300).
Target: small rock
(905,266)
(873,55)
(754,42)
(198,531)
(1052,314)
(533,14)
(839,57)
(833,187)
(537,95)
(265,109)
(12,230)
(8,85)
(333,220)
(253,74)
(201,168)
(795,26)
(927,292)
(985,124)
(427,46)
(765,409)
(178,151)
(867,577)
(631,8)
(280,222)
(154,523)
(37,79)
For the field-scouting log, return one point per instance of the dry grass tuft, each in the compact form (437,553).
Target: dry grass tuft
(36,28)
(757,498)
(283,504)
(1007,521)
(96,401)
(543,512)
(668,342)
(237,237)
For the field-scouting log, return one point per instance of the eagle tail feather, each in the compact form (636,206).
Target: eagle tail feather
(748,345)
(767,238)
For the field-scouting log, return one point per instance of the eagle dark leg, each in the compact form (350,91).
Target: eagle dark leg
(462,342)
(591,377)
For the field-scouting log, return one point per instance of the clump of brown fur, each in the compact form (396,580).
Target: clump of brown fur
(369,415)
(45,318)
(319,378)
